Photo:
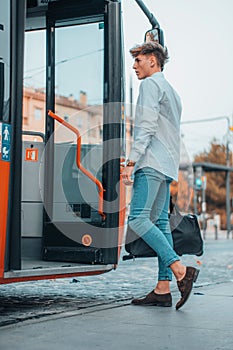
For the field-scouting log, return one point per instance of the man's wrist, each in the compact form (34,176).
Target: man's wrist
(130,163)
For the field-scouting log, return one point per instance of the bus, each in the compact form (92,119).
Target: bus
(62,137)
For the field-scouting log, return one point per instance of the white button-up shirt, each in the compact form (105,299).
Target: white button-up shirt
(157,127)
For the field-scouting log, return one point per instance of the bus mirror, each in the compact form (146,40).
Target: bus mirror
(155,34)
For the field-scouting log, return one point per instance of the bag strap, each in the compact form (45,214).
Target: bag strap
(171,206)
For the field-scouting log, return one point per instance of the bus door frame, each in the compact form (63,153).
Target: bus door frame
(12,248)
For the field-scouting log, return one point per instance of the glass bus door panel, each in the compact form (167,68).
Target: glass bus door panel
(78,100)
(74,222)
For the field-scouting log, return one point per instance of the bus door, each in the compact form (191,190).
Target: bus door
(84,77)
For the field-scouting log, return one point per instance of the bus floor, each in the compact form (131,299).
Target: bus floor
(32,268)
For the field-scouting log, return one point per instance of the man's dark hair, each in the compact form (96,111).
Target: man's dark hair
(151,48)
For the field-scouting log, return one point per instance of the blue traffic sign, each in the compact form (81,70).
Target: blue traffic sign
(6,141)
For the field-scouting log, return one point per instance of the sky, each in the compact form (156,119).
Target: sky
(198,35)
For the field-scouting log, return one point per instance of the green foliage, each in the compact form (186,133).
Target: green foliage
(216,181)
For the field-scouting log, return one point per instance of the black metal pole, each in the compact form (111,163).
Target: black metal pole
(149,15)
(203,209)
(228,191)
(18,15)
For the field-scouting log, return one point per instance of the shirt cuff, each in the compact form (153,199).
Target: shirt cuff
(134,156)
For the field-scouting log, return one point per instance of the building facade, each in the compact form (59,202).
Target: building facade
(87,119)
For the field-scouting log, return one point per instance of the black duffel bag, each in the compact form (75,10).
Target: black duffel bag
(186,235)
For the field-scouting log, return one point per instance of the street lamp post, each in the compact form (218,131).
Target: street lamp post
(228,206)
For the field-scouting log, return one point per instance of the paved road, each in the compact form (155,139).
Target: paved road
(205,322)
(32,300)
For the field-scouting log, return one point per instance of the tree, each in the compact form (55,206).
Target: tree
(182,193)
(216,181)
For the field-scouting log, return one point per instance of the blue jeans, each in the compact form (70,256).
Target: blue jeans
(148,216)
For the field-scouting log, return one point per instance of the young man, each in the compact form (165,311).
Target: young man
(154,159)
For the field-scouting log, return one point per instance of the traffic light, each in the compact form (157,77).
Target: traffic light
(198,183)
(200,180)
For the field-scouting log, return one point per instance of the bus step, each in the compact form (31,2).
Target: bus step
(86,255)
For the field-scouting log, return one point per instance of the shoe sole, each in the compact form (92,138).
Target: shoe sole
(196,273)
(153,304)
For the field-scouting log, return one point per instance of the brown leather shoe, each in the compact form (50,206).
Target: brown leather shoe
(154,299)
(186,284)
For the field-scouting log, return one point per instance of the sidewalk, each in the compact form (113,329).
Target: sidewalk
(219,235)
(204,323)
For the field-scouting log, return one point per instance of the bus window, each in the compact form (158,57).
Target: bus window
(79,80)
(34,86)
(4,61)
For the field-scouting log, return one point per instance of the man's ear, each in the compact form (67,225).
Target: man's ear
(153,61)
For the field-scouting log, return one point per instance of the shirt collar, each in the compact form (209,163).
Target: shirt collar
(158,74)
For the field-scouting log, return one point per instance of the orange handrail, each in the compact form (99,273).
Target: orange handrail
(78,161)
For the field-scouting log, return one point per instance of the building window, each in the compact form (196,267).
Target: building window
(37,114)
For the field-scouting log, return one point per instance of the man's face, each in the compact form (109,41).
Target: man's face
(145,66)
